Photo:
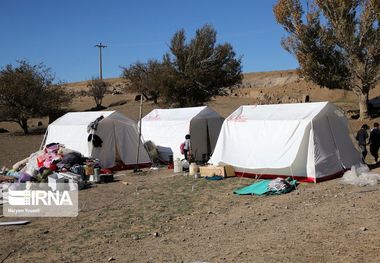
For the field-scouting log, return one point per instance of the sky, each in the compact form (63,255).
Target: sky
(62,34)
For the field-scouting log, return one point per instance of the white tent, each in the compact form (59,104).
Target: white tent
(118,133)
(310,141)
(167,129)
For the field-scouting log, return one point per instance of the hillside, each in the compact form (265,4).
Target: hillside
(256,88)
(251,80)
(270,87)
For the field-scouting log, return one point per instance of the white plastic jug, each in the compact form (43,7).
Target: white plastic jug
(185,164)
(193,169)
(177,166)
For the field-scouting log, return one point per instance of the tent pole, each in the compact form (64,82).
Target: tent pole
(44,139)
(136,169)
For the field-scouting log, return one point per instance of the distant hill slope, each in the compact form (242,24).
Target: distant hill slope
(271,87)
(83,84)
(269,79)
(256,88)
(250,80)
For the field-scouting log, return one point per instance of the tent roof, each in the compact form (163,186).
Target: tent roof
(85,118)
(183,114)
(294,111)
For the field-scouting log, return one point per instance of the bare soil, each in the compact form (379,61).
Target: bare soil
(156,216)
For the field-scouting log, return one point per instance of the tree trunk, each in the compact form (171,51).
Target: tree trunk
(363,105)
(24,125)
(98,102)
(145,96)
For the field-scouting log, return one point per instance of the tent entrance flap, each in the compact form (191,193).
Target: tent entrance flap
(117,153)
(204,135)
(327,159)
(200,142)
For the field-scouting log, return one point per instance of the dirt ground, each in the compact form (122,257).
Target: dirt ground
(156,216)
(200,220)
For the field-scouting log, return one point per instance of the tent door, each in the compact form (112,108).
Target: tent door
(200,143)
(206,156)
(117,154)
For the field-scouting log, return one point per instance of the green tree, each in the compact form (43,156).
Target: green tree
(29,91)
(191,73)
(97,89)
(199,69)
(145,78)
(337,43)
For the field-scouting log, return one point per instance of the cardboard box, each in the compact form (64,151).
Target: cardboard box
(223,170)
(230,171)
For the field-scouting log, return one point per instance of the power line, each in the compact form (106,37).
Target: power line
(100,46)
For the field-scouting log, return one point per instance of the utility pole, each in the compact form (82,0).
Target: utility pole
(100,46)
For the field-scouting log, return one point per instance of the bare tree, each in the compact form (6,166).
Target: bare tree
(97,89)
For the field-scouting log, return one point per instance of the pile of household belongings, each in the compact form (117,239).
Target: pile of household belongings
(269,187)
(56,164)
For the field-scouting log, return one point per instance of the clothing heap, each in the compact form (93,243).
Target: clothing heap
(54,161)
(278,184)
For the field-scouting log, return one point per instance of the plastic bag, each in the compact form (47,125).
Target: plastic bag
(360,176)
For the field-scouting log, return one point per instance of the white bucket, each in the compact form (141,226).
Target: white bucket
(177,166)
(185,164)
(193,169)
